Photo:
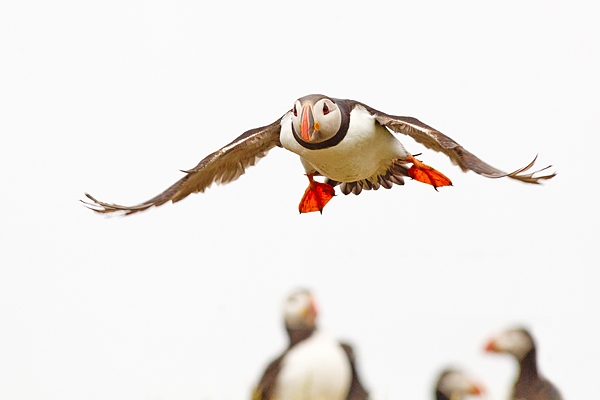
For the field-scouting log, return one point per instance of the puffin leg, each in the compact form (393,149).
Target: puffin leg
(316,196)
(426,174)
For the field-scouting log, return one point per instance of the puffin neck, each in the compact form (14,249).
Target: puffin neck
(299,334)
(440,396)
(528,366)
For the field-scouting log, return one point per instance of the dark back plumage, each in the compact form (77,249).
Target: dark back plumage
(530,385)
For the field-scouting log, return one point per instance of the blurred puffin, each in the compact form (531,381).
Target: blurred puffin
(345,141)
(529,385)
(314,366)
(454,384)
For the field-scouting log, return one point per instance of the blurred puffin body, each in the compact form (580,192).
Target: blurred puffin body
(314,366)
(530,385)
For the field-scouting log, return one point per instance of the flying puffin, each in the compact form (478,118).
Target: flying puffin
(529,385)
(345,141)
(314,366)
(454,384)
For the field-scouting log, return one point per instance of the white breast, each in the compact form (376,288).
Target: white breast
(367,150)
(316,368)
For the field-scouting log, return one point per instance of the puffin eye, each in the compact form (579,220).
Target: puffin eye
(295,111)
(325,109)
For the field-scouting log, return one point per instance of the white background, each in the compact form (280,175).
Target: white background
(184,301)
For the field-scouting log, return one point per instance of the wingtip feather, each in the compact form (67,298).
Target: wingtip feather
(529,177)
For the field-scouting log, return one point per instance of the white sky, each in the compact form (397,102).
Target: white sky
(184,301)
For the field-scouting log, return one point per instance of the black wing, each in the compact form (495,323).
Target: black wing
(223,166)
(266,386)
(435,140)
(357,391)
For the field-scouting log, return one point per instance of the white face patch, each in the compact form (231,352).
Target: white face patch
(515,342)
(298,309)
(329,117)
(295,115)
(455,384)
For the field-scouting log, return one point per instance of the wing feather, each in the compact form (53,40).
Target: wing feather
(435,140)
(223,166)
(357,390)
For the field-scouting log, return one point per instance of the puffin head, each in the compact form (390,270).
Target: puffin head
(300,311)
(518,342)
(455,384)
(316,118)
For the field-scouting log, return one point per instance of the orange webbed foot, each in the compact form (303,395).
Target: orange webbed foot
(316,196)
(426,174)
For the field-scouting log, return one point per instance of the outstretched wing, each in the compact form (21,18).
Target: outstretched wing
(223,166)
(436,140)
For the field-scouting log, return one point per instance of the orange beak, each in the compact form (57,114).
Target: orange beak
(310,310)
(491,346)
(477,390)
(308,123)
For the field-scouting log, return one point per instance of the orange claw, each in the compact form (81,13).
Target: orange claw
(316,196)
(426,174)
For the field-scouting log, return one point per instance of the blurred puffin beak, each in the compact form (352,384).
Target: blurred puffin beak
(491,346)
(476,389)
